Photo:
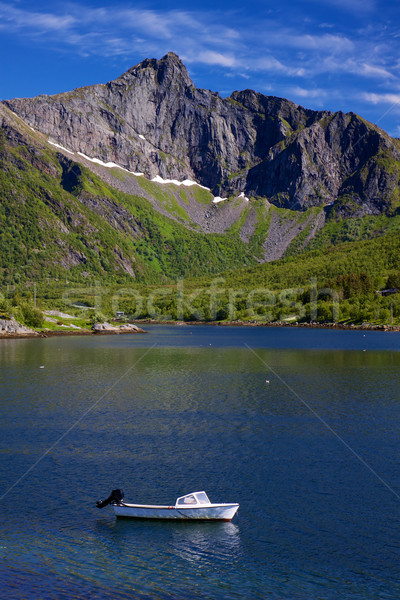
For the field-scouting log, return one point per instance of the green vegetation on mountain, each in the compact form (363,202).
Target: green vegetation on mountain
(59,220)
(337,284)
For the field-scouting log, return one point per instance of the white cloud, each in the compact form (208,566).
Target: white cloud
(308,93)
(271,64)
(353,65)
(351,5)
(19,19)
(382,98)
(151,22)
(327,43)
(268,63)
(231,74)
(375,71)
(209,57)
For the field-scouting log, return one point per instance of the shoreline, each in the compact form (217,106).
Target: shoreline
(305,325)
(342,326)
(88,332)
(62,333)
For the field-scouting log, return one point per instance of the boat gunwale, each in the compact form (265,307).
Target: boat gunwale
(189,520)
(176,507)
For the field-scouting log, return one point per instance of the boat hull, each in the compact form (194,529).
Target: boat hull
(216,512)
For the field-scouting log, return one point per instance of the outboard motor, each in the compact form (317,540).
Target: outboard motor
(115,497)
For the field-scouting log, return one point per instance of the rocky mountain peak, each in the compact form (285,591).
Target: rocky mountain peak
(165,71)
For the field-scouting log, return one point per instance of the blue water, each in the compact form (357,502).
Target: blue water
(312,457)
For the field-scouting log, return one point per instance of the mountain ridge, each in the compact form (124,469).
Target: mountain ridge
(152,119)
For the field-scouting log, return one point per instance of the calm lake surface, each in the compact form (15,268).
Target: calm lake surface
(312,457)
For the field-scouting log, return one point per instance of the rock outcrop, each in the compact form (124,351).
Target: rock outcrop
(125,328)
(12,327)
(152,119)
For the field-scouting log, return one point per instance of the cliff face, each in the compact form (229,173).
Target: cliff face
(153,120)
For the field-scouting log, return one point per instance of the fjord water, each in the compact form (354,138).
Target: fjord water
(312,457)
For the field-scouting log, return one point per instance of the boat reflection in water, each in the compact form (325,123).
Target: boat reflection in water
(204,543)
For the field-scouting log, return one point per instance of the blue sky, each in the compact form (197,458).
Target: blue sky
(323,54)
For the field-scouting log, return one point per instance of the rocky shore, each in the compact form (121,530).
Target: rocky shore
(345,326)
(124,328)
(11,329)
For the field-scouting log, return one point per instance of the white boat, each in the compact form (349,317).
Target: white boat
(194,506)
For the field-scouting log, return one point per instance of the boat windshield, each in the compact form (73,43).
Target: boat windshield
(202,498)
(195,498)
(189,499)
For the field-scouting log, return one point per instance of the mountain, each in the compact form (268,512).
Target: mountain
(99,183)
(153,120)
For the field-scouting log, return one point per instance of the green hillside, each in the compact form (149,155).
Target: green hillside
(78,238)
(339,284)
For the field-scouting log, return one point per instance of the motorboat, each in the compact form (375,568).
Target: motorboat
(194,506)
